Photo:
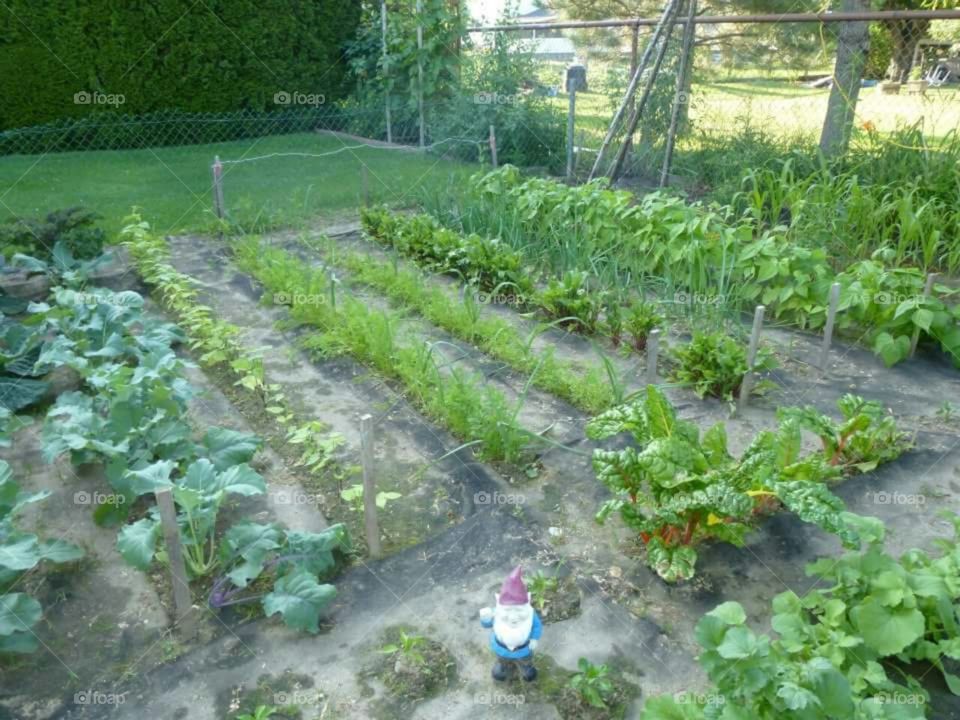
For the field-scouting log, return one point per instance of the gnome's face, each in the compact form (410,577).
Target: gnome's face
(512,623)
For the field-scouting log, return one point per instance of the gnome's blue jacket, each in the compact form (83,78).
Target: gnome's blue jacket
(521,652)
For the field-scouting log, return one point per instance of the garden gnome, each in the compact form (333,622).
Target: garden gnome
(516,627)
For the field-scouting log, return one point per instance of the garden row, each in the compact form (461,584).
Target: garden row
(711,363)
(129,416)
(675,490)
(703,256)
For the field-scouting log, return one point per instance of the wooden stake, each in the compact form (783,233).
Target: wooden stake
(653,353)
(927,290)
(631,89)
(371,524)
(364,186)
(493,147)
(332,281)
(828,328)
(185,618)
(680,96)
(571,121)
(617,166)
(423,134)
(747,385)
(217,171)
(386,69)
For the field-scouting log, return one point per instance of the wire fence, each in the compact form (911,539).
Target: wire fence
(741,87)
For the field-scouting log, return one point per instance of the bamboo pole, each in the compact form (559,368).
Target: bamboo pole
(631,88)
(680,96)
(617,165)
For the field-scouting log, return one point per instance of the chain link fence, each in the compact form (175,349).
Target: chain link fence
(754,89)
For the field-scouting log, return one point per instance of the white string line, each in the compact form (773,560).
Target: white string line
(360,146)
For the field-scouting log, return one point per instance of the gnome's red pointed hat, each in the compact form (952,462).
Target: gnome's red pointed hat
(513,591)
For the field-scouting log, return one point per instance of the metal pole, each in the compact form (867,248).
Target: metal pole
(571,120)
(774,18)
(370,522)
(680,96)
(420,71)
(653,353)
(493,147)
(747,385)
(828,328)
(217,172)
(386,70)
(927,290)
(182,600)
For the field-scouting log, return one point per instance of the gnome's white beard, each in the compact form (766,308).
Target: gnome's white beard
(512,624)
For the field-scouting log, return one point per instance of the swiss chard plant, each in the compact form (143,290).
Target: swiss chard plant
(865,437)
(292,565)
(21,552)
(678,489)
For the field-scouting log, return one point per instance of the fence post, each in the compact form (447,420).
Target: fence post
(828,328)
(217,171)
(364,186)
(183,603)
(386,70)
(571,118)
(493,147)
(927,290)
(747,385)
(371,524)
(420,70)
(653,353)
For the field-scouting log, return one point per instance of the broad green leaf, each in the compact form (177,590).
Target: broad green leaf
(226,448)
(137,543)
(664,707)
(299,598)
(738,642)
(17,393)
(887,630)
(152,478)
(18,613)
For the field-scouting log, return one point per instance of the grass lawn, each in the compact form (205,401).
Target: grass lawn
(781,107)
(172,185)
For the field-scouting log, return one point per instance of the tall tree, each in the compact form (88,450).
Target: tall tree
(853,46)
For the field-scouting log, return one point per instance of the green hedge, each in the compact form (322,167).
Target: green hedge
(211,56)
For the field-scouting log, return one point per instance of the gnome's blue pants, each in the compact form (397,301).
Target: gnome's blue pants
(506,669)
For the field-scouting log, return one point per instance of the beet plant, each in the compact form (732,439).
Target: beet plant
(715,364)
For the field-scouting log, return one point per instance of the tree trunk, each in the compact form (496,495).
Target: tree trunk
(905,35)
(853,45)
